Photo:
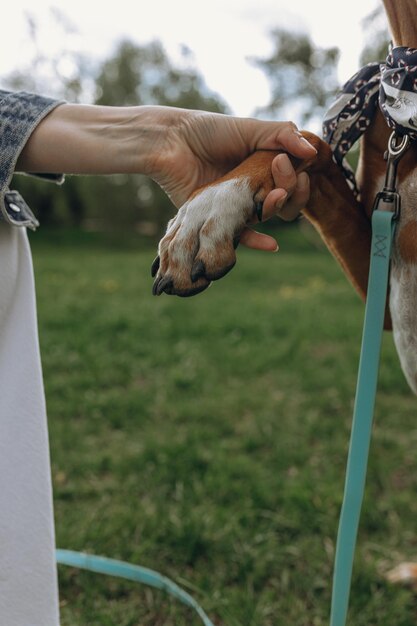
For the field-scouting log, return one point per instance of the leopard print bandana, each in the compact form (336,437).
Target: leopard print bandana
(393,85)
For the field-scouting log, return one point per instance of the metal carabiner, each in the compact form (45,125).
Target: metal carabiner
(394,154)
(397,146)
(398,150)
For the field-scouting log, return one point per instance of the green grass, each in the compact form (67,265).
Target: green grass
(207,438)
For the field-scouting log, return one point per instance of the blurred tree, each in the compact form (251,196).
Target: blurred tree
(146,75)
(302,76)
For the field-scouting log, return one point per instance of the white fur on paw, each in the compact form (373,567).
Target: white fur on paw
(198,246)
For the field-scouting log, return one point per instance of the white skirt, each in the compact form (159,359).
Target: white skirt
(28,574)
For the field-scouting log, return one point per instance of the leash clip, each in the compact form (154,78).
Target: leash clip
(391,200)
(397,147)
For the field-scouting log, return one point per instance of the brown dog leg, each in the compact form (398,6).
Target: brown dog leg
(339,218)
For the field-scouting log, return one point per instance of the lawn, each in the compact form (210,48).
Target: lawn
(207,438)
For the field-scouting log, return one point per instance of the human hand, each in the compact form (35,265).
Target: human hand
(195,148)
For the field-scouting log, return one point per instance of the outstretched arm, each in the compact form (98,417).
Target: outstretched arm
(180,149)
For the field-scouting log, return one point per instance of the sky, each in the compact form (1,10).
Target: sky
(222,34)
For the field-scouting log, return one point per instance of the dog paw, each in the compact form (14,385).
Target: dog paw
(199,244)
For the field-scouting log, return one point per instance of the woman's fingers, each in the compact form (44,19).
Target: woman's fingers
(291,193)
(259,241)
(274,202)
(289,210)
(262,135)
(290,138)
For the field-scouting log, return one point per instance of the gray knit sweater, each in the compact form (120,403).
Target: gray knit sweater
(20,113)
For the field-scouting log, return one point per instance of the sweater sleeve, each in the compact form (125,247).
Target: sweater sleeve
(20,113)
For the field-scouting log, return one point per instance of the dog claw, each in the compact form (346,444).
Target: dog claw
(155,266)
(259,207)
(155,286)
(221,272)
(198,270)
(163,284)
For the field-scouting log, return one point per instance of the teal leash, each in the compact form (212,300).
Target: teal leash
(383,227)
(136,573)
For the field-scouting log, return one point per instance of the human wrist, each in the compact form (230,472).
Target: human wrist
(90,139)
(150,128)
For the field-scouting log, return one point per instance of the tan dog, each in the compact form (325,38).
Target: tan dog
(199,245)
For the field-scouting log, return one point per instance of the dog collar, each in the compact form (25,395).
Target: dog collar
(392,85)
